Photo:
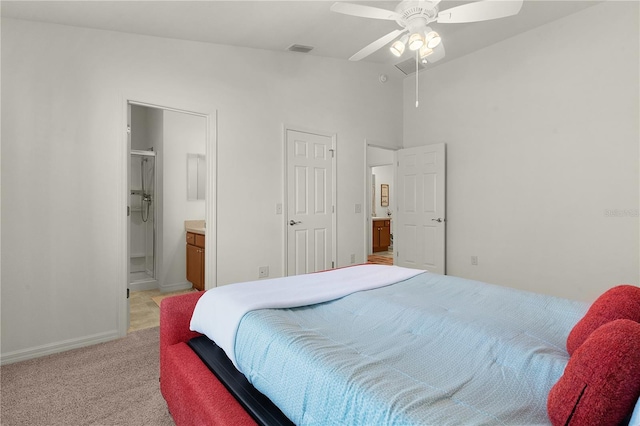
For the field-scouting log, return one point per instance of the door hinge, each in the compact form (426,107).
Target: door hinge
(128,129)
(128,211)
(333,209)
(333,265)
(127,293)
(332,151)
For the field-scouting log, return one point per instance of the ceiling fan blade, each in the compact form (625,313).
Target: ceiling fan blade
(364,11)
(378,44)
(438,53)
(480,11)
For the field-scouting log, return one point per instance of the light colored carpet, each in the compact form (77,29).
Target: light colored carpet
(112,383)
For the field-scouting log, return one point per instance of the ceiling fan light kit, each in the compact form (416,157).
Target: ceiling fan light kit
(424,52)
(432,39)
(397,48)
(414,16)
(416,41)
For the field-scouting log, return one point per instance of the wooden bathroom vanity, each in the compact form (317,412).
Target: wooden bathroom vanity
(195,254)
(381,233)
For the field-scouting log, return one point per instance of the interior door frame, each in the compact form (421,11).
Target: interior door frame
(285,191)
(209,113)
(367,191)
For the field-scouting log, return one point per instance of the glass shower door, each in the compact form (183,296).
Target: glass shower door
(143,216)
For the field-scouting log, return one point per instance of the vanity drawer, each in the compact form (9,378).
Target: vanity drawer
(195,239)
(191,238)
(199,240)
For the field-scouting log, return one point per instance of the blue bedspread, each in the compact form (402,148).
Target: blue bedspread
(432,350)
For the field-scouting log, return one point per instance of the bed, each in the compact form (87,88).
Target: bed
(377,344)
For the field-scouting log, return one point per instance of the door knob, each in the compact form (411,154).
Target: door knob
(438,219)
(293,222)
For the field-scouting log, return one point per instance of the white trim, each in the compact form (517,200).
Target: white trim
(143,153)
(143,285)
(211,203)
(56,347)
(176,287)
(209,113)
(367,203)
(122,223)
(166,108)
(285,203)
(285,200)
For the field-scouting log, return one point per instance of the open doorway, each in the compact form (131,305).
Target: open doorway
(161,141)
(417,220)
(380,205)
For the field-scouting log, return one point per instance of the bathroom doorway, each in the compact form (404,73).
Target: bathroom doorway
(160,142)
(380,202)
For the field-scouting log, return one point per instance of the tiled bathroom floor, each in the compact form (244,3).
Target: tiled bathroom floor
(388,253)
(143,311)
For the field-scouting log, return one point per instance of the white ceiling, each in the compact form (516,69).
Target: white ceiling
(275,25)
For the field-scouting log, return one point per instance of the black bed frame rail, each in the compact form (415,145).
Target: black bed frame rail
(259,407)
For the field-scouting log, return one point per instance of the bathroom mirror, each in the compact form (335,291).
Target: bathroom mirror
(196,174)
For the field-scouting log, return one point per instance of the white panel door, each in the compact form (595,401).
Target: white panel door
(419,231)
(310,210)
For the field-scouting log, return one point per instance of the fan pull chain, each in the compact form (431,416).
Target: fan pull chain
(417,79)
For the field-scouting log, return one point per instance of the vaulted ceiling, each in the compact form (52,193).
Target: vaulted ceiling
(275,25)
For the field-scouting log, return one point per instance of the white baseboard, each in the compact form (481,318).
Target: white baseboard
(175,287)
(143,285)
(56,347)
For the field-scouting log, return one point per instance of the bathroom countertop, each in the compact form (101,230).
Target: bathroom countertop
(195,226)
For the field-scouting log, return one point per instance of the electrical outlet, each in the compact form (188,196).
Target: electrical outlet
(263,272)
(279,208)
(353,258)
(474,260)
(358,208)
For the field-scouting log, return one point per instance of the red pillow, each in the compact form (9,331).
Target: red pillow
(621,302)
(601,383)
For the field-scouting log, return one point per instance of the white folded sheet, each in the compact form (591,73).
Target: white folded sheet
(219,311)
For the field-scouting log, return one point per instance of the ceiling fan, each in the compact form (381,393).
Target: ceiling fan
(414,17)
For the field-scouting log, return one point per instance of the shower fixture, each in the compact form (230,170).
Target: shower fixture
(146,197)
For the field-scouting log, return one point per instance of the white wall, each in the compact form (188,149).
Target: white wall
(542,141)
(143,124)
(379,156)
(63,91)
(183,134)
